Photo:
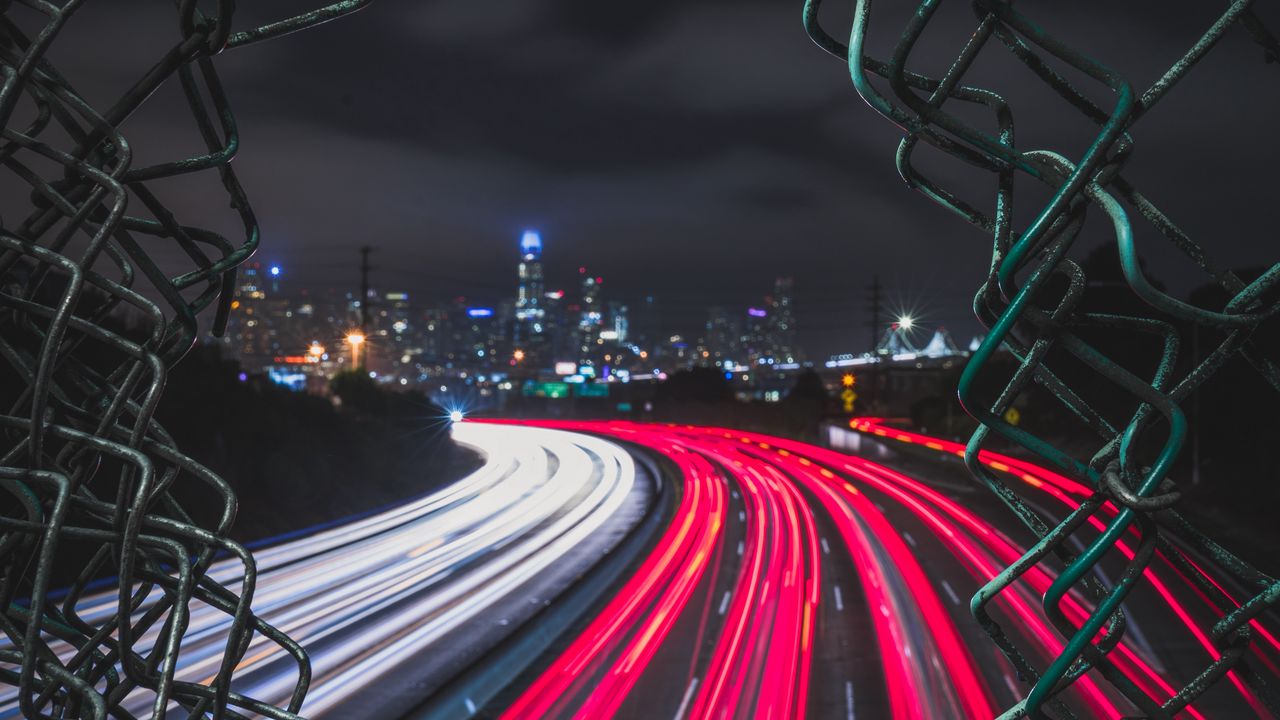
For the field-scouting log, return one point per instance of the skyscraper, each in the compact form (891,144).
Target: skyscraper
(723,337)
(782,322)
(530,331)
(591,316)
(260,326)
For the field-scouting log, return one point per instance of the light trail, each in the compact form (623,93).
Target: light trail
(368,597)
(718,620)
(761,662)
(1070,493)
(927,667)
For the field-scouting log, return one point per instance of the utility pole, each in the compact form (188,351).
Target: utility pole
(874,322)
(363,352)
(871,388)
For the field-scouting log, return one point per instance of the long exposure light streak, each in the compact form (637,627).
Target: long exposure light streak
(369,596)
(718,615)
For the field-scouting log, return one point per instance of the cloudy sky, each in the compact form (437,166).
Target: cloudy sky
(688,150)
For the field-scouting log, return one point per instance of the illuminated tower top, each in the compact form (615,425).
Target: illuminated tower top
(529,311)
(531,245)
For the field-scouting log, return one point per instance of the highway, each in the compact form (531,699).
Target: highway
(391,606)
(780,580)
(795,580)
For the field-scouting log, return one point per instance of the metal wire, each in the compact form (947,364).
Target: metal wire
(82,462)
(1023,321)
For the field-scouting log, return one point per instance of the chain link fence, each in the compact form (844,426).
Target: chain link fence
(83,463)
(1031,304)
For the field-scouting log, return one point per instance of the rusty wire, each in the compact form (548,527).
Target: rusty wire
(81,459)
(1031,327)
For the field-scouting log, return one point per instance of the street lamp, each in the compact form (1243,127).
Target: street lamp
(356,340)
(906,322)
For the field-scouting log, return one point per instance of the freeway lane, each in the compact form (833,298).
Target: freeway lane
(788,581)
(1171,602)
(393,605)
(848,561)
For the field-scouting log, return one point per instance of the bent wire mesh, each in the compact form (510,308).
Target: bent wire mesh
(83,462)
(1030,303)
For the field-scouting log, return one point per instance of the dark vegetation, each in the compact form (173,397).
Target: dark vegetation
(296,460)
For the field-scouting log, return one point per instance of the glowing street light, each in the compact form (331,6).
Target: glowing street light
(356,340)
(455,416)
(906,322)
(316,350)
(518,355)
(848,380)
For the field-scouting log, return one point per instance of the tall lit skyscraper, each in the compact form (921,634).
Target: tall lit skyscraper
(591,316)
(782,322)
(529,332)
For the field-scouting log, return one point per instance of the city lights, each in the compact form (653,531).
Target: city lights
(356,341)
(535,334)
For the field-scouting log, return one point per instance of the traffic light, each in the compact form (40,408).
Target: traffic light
(848,380)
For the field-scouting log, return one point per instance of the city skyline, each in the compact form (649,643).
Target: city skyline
(531,328)
(645,153)
(828,321)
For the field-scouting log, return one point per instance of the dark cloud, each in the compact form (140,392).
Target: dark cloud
(688,149)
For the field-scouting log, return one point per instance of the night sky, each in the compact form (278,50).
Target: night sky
(688,150)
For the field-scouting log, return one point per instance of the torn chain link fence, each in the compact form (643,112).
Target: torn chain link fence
(1031,304)
(82,461)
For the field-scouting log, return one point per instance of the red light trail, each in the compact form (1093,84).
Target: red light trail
(754,658)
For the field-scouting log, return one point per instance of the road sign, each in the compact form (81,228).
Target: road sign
(554,390)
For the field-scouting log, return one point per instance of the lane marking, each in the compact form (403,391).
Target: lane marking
(724,603)
(825,547)
(848,699)
(910,540)
(839,599)
(688,696)
(741,547)
(951,593)
(471,707)
(879,508)
(742,515)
